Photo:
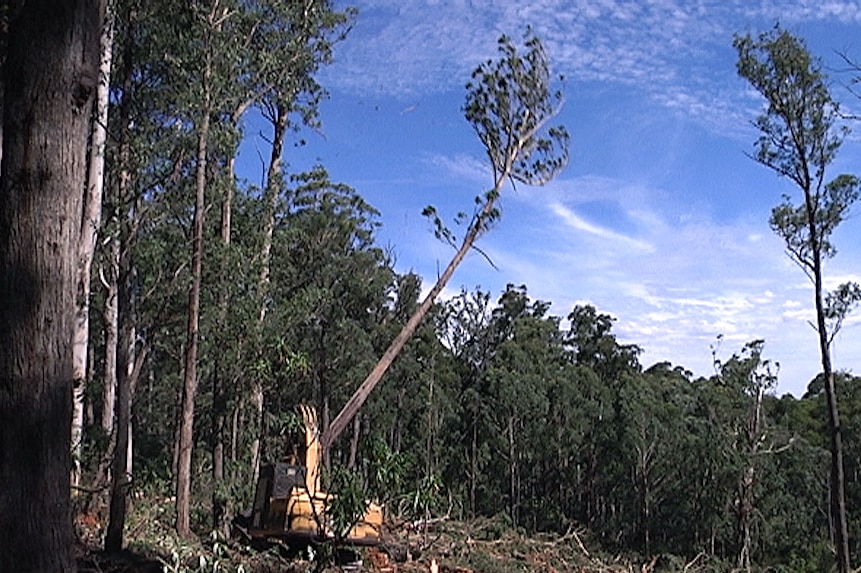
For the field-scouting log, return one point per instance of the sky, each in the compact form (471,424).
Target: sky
(661,217)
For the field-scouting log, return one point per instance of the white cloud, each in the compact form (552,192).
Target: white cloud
(462,168)
(579,224)
(665,49)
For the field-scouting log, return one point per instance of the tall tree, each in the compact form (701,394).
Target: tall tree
(799,140)
(509,103)
(90,224)
(294,40)
(212,22)
(50,76)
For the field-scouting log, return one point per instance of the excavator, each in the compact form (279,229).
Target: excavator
(289,504)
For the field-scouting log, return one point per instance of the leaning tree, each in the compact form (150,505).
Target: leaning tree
(509,103)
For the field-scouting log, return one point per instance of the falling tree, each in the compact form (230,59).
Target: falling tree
(509,103)
(799,140)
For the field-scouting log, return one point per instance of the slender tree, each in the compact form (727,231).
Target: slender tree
(509,103)
(190,376)
(302,36)
(799,140)
(90,225)
(747,378)
(50,76)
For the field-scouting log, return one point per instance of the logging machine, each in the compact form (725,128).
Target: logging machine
(289,505)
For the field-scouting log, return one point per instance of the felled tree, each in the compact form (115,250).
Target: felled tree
(509,103)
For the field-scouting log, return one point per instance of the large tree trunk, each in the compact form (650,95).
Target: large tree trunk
(50,77)
(90,224)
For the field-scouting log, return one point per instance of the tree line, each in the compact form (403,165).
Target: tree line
(198,310)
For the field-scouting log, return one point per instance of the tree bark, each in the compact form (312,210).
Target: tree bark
(119,244)
(110,322)
(130,365)
(50,77)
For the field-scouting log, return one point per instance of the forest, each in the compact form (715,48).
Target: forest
(205,309)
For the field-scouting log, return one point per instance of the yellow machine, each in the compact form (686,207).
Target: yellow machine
(288,503)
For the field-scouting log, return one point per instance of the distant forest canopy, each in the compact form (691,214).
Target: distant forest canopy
(215,307)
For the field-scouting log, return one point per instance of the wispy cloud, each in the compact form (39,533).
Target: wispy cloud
(461,168)
(579,224)
(665,48)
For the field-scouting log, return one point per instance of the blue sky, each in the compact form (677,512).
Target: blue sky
(660,220)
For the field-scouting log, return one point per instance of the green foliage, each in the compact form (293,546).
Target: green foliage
(187,558)
(800,112)
(509,102)
(388,471)
(838,304)
(349,502)
(799,140)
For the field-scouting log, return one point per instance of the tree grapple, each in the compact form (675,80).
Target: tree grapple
(289,505)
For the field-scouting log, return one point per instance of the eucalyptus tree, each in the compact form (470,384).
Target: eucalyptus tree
(409,414)
(463,328)
(291,42)
(800,138)
(49,78)
(328,286)
(509,103)
(747,377)
(214,62)
(605,467)
(651,417)
(593,344)
(140,268)
(525,358)
(90,224)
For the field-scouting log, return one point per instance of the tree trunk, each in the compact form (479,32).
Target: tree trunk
(120,478)
(274,178)
(219,398)
(119,243)
(110,322)
(838,482)
(838,496)
(90,225)
(354,443)
(512,471)
(189,387)
(50,77)
(361,394)
(473,464)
